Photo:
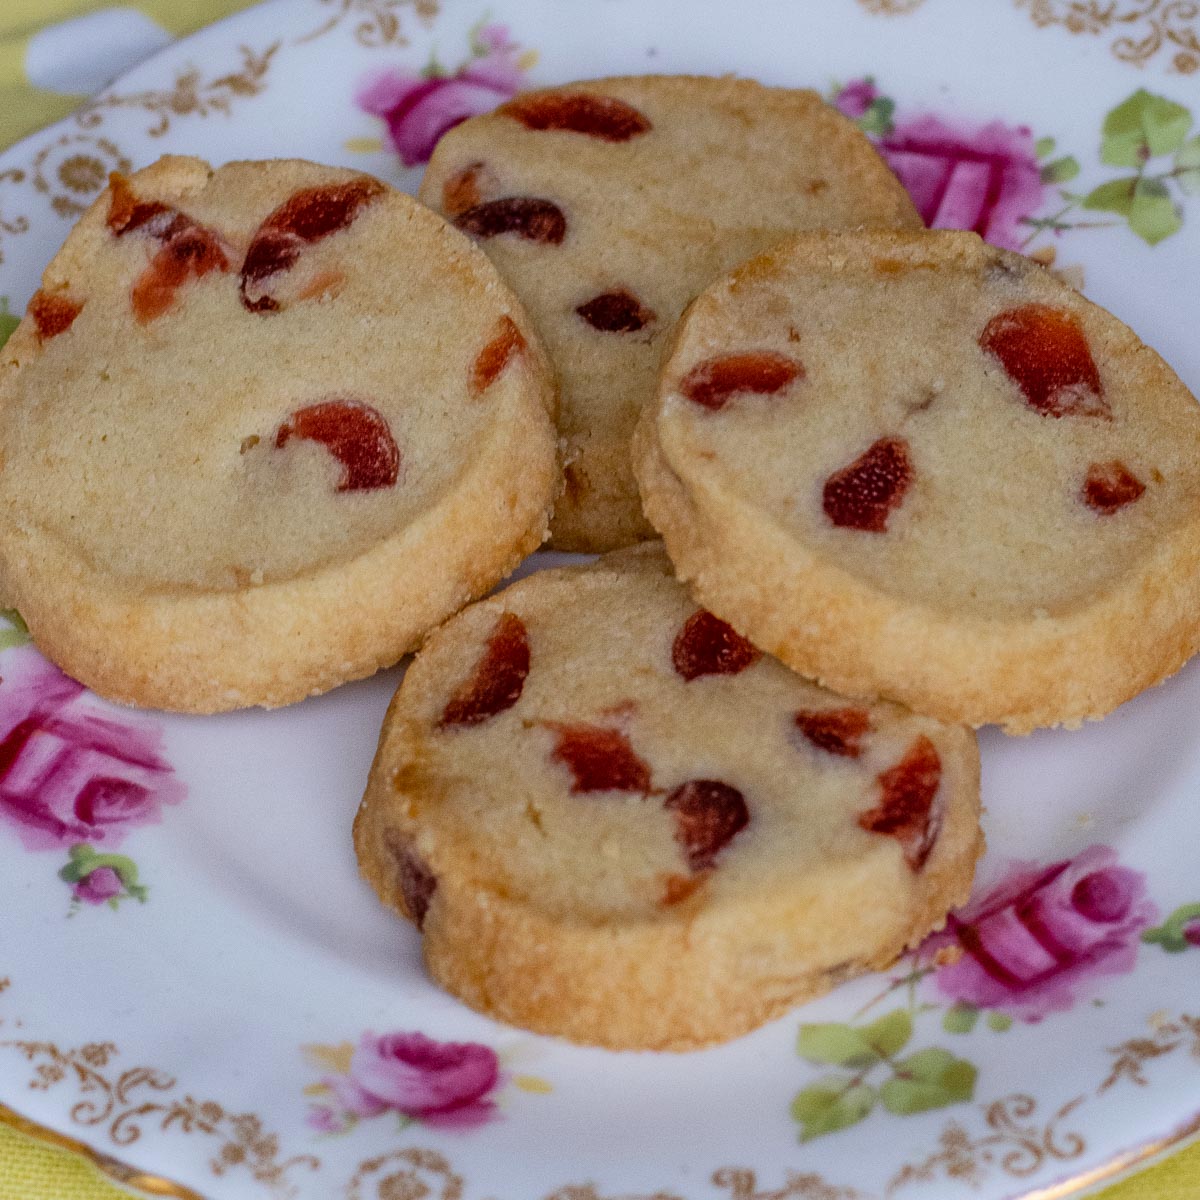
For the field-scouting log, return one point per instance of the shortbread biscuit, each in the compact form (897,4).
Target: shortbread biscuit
(919,467)
(261,429)
(614,820)
(608,204)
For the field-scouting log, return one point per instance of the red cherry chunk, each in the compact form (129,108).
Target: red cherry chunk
(706,645)
(498,679)
(618,311)
(52,314)
(1110,486)
(188,251)
(712,382)
(309,216)
(600,759)
(355,434)
(603,117)
(416,881)
(708,815)
(906,810)
(126,213)
(494,357)
(528,217)
(466,188)
(835,730)
(1045,353)
(863,494)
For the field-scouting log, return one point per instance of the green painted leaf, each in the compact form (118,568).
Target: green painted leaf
(877,120)
(1166,124)
(1115,196)
(961,1018)
(1141,127)
(18,632)
(889,1035)
(1187,166)
(1153,214)
(932,1078)
(1044,147)
(1169,935)
(839,1045)
(7,324)
(833,1103)
(1061,170)
(999,1022)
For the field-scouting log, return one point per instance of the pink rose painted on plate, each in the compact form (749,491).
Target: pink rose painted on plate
(986,179)
(72,778)
(1037,942)
(995,178)
(69,774)
(445,1085)
(419,107)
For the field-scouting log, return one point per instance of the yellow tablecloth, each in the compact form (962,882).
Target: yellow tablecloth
(32,1168)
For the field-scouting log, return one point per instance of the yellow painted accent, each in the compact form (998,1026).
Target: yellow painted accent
(363,145)
(533,1083)
(527,60)
(331,1058)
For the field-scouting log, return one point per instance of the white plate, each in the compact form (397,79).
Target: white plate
(204,1028)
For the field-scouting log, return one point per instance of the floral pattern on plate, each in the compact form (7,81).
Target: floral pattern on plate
(991,1095)
(998,179)
(74,779)
(419,107)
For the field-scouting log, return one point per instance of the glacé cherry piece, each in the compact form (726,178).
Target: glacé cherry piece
(600,759)
(126,213)
(708,815)
(417,882)
(528,217)
(498,679)
(308,216)
(603,117)
(356,434)
(467,188)
(906,809)
(706,645)
(188,251)
(1110,486)
(863,494)
(52,313)
(835,730)
(494,357)
(1045,353)
(618,311)
(712,382)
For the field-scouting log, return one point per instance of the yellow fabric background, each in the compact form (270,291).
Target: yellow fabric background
(33,1170)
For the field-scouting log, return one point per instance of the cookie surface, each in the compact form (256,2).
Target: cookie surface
(616,821)
(608,204)
(261,429)
(923,468)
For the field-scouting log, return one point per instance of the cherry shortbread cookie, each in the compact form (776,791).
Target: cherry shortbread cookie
(607,205)
(923,468)
(614,820)
(261,429)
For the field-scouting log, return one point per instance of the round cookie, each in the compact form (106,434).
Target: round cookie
(919,467)
(616,821)
(261,429)
(608,204)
